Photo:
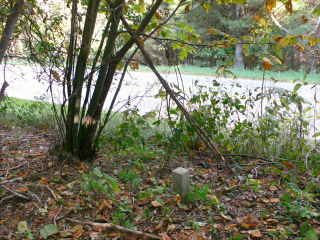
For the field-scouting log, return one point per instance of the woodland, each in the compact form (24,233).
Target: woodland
(243,132)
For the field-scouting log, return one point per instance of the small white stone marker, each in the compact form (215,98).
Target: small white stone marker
(181,181)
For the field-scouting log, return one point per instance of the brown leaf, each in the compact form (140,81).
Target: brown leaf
(22,189)
(255,233)
(187,8)
(230,227)
(134,65)
(273,188)
(256,18)
(171,227)
(177,198)
(158,16)
(156,204)
(304,19)
(55,75)
(270,4)
(272,221)
(274,200)
(161,225)
(189,235)
(77,231)
(164,236)
(267,64)
(289,6)
(43,180)
(288,164)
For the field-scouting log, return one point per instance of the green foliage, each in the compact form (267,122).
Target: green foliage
(130,176)
(130,131)
(38,113)
(99,182)
(198,193)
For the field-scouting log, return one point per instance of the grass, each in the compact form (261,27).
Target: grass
(297,76)
(29,112)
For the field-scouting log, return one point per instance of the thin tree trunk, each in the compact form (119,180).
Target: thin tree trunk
(239,57)
(92,119)
(73,115)
(3,89)
(9,28)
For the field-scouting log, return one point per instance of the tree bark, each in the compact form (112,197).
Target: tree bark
(239,57)
(9,28)
(90,123)
(73,115)
(3,89)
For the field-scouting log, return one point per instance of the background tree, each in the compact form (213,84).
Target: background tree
(6,35)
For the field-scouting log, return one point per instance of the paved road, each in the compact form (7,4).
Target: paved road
(24,83)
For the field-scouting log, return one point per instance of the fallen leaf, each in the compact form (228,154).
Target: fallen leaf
(273,188)
(255,233)
(22,189)
(274,200)
(43,180)
(156,204)
(77,231)
(230,227)
(171,227)
(272,221)
(164,236)
(288,164)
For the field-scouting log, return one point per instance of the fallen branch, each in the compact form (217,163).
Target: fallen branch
(5,198)
(15,193)
(249,156)
(117,227)
(11,180)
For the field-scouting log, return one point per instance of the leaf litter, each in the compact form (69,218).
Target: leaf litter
(43,198)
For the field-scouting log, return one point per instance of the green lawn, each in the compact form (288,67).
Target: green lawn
(246,74)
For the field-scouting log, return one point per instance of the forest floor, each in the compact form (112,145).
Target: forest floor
(41,197)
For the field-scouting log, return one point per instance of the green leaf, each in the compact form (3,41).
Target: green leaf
(312,235)
(48,230)
(206,6)
(183,53)
(297,87)
(317,134)
(316,11)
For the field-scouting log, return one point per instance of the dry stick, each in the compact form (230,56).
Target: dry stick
(204,137)
(15,193)
(249,156)
(5,198)
(117,227)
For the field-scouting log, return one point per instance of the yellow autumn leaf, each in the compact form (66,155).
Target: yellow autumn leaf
(270,4)
(299,47)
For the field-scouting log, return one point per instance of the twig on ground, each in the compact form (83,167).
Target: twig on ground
(117,227)
(11,180)
(5,198)
(15,193)
(10,169)
(50,190)
(250,156)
